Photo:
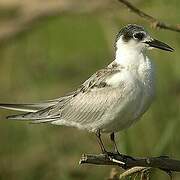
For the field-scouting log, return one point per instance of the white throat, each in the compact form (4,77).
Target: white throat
(129,54)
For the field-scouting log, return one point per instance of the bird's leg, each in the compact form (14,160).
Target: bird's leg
(125,157)
(98,134)
(112,137)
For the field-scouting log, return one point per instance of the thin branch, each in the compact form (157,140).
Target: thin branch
(132,171)
(26,14)
(126,162)
(155,23)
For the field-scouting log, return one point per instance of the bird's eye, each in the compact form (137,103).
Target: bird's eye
(139,36)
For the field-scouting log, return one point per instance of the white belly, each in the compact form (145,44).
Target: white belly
(125,113)
(138,96)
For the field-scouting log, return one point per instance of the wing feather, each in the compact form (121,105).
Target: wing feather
(87,108)
(85,105)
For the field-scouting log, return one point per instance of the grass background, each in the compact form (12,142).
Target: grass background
(54,58)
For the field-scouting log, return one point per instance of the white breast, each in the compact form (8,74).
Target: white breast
(147,77)
(116,80)
(136,89)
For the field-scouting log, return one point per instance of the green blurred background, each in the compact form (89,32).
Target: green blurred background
(57,55)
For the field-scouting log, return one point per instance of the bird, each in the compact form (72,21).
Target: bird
(110,100)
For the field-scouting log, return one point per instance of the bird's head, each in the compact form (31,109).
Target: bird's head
(136,38)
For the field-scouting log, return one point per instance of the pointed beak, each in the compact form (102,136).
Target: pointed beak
(158,44)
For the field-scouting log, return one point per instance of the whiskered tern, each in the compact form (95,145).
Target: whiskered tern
(113,98)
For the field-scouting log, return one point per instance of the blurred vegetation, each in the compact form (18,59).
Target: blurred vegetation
(54,58)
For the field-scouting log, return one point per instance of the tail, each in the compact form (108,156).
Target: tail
(47,111)
(22,107)
(34,112)
(33,107)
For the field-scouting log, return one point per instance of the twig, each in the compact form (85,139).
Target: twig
(155,23)
(126,162)
(132,171)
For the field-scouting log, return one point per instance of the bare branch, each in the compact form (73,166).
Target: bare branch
(23,15)
(126,162)
(132,171)
(155,23)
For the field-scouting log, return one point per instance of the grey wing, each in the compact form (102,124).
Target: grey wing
(82,105)
(86,109)
(91,102)
(98,79)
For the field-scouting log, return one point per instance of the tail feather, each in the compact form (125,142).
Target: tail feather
(29,116)
(20,107)
(48,111)
(33,107)
(33,120)
(33,115)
